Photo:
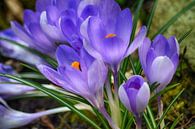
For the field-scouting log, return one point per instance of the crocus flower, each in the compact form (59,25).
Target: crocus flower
(159,60)
(78,73)
(16,52)
(10,87)
(54,22)
(107,35)
(135,94)
(11,118)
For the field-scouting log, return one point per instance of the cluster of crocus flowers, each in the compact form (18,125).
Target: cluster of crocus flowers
(88,38)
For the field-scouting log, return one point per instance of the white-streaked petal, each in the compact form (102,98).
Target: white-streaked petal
(142,97)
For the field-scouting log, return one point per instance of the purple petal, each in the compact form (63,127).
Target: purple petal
(143,50)
(142,97)
(41,5)
(66,55)
(14,51)
(87,8)
(52,31)
(76,80)
(96,76)
(161,45)
(91,50)
(43,42)
(124,25)
(111,49)
(138,41)
(68,27)
(124,97)
(52,75)
(175,60)
(52,14)
(108,11)
(21,33)
(161,71)
(132,93)
(30,17)
(174,45)
(14,89)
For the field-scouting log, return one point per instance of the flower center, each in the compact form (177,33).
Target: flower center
(110,35)
(76,65)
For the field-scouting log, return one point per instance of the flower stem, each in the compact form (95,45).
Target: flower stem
(160,111)
(138,122)
(108,118)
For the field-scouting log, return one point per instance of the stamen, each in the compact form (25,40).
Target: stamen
(76,65)
(110,35)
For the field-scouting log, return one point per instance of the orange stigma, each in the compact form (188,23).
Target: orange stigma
(76,65)
(110,35)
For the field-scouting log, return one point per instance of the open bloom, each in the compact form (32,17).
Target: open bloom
(135,94)
(107,35)
(14,88)
(159,60)
(78,73)
(54,22)
(16,52)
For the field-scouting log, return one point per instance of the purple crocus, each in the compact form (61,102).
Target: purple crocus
(54,22)
(159,60)
(11,118)
(16,52)
(135,94)
(78,73)
(107,36)
(10,87)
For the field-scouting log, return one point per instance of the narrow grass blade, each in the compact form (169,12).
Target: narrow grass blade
(136,18)
(174,18)
(149,21)
(125,116)
(130,122)
(30,67)
(176,121)
(169,107)
(184,36)
(151,116)
(164,91)
(148,123)
(54,96)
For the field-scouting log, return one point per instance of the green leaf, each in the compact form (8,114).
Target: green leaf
(130,122)
(30,67)
(151,116)
(149,21)
(168,88)
(185,35)
(33,51)
(192,127)
(31,75)
(174,18)
(148,123)
(136,18)
(125,116)
(54,96)
(176,121)
(169,107)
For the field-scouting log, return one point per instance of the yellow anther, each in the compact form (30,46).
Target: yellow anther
(110,35)
(76,65)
